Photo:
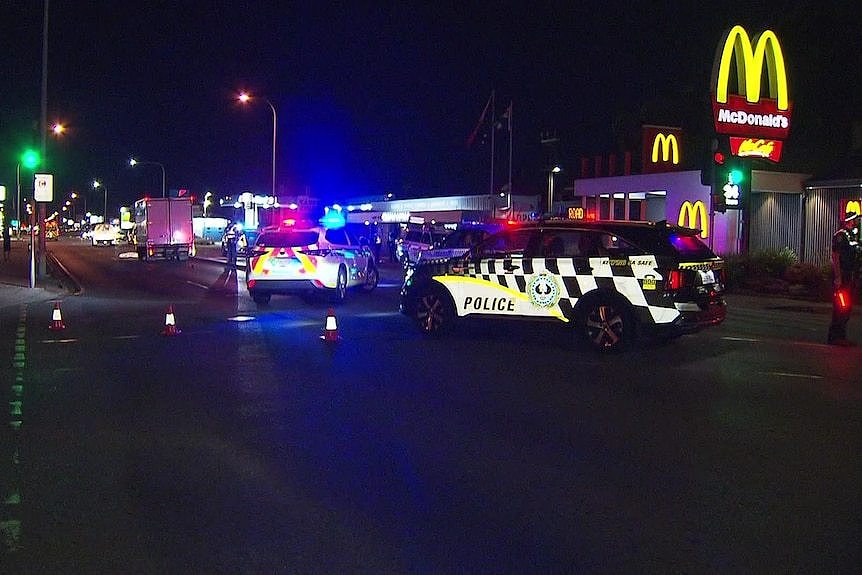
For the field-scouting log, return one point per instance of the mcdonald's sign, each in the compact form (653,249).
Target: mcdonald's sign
(851,206)
(694,215)
(747,112)
(661,149)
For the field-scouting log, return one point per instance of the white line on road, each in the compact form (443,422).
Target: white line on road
(797,375)
(202,286)
(59,340)
(740,338)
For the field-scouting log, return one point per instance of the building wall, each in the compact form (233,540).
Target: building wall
(821,208)
(776,222)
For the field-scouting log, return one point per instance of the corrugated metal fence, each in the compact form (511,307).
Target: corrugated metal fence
(776,222)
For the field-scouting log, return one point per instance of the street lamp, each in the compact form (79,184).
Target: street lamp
(244,97)
(554,170)
(96,185)
(133,162)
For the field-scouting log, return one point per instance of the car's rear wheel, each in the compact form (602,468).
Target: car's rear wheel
(607,324)
(339,292)
(261,298)
(433,313)
(372,278)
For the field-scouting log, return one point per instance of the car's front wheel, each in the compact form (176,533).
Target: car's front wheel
(339,292)
(607,324)
(433,313)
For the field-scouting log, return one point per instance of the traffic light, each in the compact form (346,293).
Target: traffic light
(30,159)
(717,177)
(732,184)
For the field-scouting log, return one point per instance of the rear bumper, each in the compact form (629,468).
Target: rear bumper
(696,316)
(283,286)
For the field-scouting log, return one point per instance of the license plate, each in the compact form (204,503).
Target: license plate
(707,276)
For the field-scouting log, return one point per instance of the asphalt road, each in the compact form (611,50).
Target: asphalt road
(246,444)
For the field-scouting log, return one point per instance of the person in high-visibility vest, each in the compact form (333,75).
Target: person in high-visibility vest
(845,269)
(231,237)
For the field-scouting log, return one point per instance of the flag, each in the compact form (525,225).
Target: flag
(472,137)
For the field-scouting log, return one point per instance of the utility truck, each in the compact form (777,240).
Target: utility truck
(163,229)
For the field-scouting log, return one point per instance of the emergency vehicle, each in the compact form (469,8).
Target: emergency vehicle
(608,280)
(304,260)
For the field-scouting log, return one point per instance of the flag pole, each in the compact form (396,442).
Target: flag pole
(493,129)
(511,207)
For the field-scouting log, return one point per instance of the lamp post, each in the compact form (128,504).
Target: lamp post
(244,97)
(133,162)
(554,170)
(96,185)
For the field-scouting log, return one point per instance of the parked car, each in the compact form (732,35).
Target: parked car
(306,260)
(415,241)
(611,281)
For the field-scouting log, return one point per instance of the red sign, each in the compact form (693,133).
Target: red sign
(756,148)
(660,151)
(763,119)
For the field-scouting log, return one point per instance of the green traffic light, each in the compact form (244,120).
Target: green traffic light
(30,159)
(736,176)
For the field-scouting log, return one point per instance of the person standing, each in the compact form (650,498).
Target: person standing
(7,243)
(845,267)
(231,239)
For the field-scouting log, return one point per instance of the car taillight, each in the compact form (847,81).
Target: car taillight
(675,280)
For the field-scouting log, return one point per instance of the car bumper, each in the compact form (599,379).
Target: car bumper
(284,286)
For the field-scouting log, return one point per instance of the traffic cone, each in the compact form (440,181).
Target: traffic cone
(57,318)
(330,329)
(170,322)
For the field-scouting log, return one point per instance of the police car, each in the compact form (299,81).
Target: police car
(305,260)
(414,242)
(608,280)
(459,242)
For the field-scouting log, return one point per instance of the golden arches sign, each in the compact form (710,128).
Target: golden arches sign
(669,148)
(749,66)
(692,214)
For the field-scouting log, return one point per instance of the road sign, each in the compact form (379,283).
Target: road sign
(43,187)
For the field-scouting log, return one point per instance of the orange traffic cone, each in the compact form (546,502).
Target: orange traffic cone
(170,323)
(57,318)
(330,329)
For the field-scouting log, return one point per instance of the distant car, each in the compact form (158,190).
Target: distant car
(105,235)
(415,241)
(305,260)
(459,242)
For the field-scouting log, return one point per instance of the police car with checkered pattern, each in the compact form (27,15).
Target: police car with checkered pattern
(610,280)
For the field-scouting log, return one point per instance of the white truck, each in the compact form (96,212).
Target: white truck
(163,229)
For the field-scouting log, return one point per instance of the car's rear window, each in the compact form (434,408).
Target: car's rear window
(690,247)
(295,239)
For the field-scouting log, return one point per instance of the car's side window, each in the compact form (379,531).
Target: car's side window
(337,237)
(516,243)
(617,247)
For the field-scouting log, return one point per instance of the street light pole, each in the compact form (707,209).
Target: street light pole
(244,97)
(133,162)
(96,185)
(554,170)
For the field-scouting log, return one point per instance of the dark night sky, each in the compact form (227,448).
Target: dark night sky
(382,99)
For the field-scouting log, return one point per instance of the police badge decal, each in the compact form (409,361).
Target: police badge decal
(543,290)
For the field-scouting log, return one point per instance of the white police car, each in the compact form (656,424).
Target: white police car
(304,260)
(609,280)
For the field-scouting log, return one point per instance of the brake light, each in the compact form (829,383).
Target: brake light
(675,280)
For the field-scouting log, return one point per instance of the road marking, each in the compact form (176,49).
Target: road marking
(750,339)
(202,286)
(59,340)
(126,336)
(787,374)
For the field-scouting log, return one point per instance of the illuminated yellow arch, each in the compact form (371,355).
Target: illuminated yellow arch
(749,66)
(688,217)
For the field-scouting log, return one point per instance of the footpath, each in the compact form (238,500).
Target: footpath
(15,279)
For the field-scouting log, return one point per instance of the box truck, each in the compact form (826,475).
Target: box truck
(163,229)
